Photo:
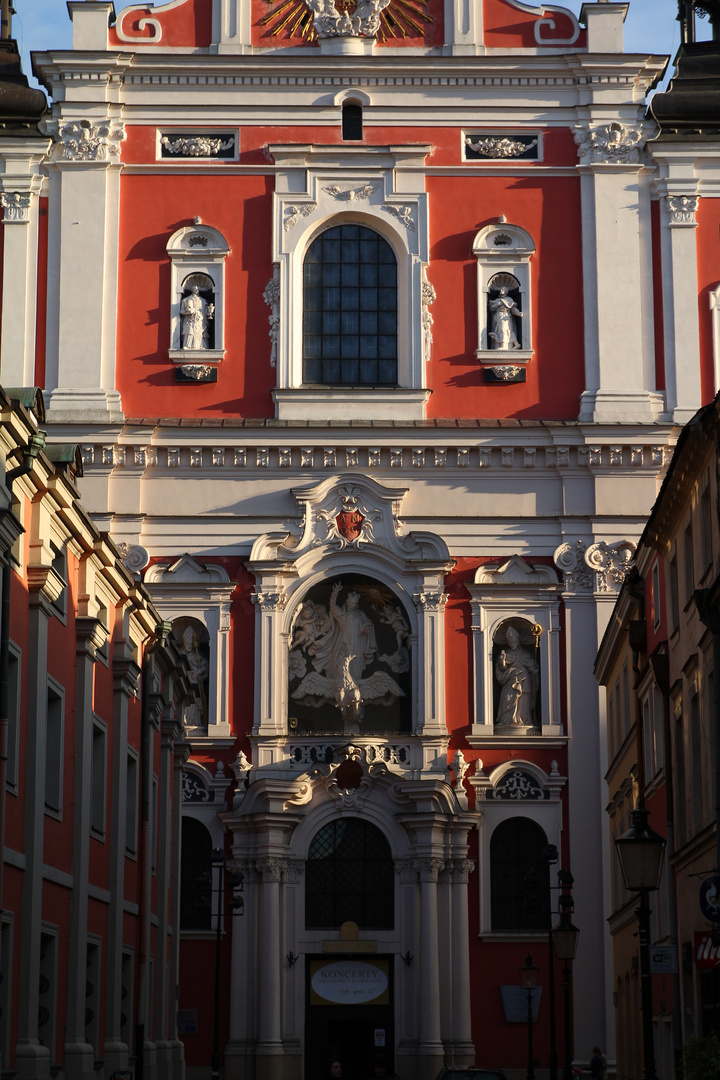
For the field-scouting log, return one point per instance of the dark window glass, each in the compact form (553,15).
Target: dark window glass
(350,309)
(350,877)
(352,122)
(196,876)
(519,877)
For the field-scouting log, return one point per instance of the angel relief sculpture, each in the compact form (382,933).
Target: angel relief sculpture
(337,666)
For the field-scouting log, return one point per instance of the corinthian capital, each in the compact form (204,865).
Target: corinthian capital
(429,869)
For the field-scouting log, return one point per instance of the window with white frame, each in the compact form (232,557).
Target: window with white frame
(656,596)
(320,190)
(503,252)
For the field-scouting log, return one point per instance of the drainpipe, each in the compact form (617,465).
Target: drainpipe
(30,453)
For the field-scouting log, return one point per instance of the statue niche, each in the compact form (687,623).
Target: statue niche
(192,641)
(504,314)
(349,660)
(516,679)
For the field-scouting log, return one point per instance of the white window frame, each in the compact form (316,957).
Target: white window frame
(546,812)
(204,255)
(494,258)
(313,192)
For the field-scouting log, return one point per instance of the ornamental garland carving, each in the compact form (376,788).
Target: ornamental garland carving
(350,194)
(271,296)
(296,212)
(196,146)
(499,147)
(610,143)
(403,214)
(83,140)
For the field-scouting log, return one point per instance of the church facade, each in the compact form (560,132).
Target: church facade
(376,326)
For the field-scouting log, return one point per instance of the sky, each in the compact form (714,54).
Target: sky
(651,25)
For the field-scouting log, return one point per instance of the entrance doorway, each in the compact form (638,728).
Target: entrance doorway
(348,1014)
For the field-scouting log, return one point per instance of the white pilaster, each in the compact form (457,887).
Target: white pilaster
(82,272)
(270,1048)
(430,1048)
(231,26)
(619,359)
(20,183)
(463,28)
(678,206)
(464,1050)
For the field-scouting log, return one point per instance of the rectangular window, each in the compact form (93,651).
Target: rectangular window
(674,594)
(689,556)
(649,761)
(627,718)
(712,725)
(47,993)
(126,998)
(60,567)
(154,824)
(619,724)
(99,778)
(54,750)
(697,746)
(6,998)
(17,550)
(92,996)
(656,599)
(680,786)
(705,529)
(611,726)
(131,816)
(14,700)
(658,706)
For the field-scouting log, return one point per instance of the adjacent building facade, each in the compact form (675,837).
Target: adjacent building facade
(91,764)
(372,326)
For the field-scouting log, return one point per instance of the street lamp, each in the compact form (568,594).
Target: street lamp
(529,978)
(641,851)
(565,937)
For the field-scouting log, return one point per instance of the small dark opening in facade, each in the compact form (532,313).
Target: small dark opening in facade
(352,128)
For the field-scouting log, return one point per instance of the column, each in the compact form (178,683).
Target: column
(247,943)
(430,603)
(430,1048)
(617,276)
(83,270)
(163,990)
(681,317)
(32,1061)
(79,1055)
(460,962)
(269,1047)
(20,184)
(125,677)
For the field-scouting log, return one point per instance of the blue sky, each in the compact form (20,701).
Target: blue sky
(651,25)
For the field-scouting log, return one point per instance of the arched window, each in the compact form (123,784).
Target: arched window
(350,309)
(519,877)
(195,876)
(349,877)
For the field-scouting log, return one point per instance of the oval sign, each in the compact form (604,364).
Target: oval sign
(349,982)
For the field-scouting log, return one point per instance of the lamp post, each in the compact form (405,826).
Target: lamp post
(529,978)
(565,937)
(235,881)
(641,851)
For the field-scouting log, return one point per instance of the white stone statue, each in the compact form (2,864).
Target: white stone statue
(196,711)
(195,313)
(517,674)
(340,645)
(460,767)
(504,310)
